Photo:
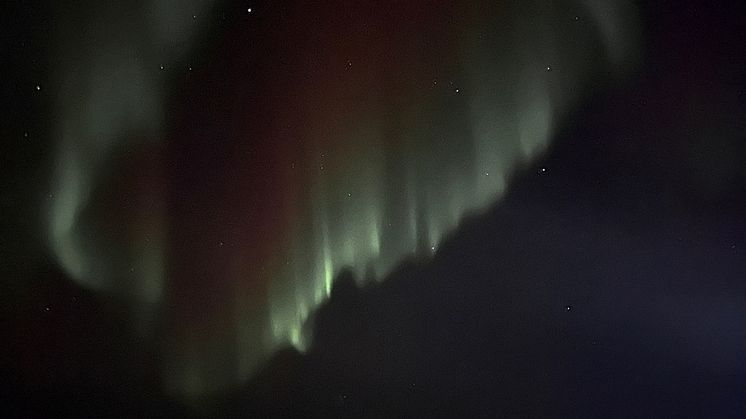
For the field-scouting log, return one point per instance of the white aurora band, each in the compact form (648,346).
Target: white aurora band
(109,97)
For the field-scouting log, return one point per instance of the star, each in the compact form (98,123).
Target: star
(38,87)
(543,170)
(248,10)
(162,67)
(549,68)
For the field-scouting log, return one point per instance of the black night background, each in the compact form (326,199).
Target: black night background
(507,208)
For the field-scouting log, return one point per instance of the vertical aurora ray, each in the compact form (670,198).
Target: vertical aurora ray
(510,104)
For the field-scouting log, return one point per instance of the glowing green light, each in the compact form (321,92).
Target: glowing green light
(374,239)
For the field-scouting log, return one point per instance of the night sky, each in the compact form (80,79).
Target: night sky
(528,208)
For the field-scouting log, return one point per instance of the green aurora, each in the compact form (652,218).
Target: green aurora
(380,169)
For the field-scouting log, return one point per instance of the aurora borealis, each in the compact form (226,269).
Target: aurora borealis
(210,167)
(379,143)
